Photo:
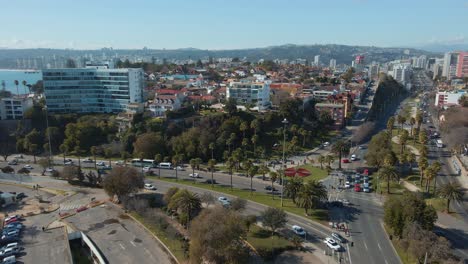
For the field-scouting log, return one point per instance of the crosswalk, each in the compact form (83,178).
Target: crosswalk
(70,206)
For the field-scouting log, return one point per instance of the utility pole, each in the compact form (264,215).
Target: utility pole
(285,122)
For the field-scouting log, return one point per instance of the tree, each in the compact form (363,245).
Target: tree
(212,148)
(122,181)
(310,195)
(340,148)
(175,162)
(244,126)
(216,237)
(212,166)
(423,137)
(419,119)
(401,120)
(71,172)
(403,139)
(70,63)
(94,151)
(436,167)
(186,202)
(17,90)
(8,169)
(452,191)
(230,164)
(321,159)
(273,178)
(388,173)
(274,218)
(149,144)
(78,154)
(44,163)
(238,204)
(263,169)
(249,220)
(64,149)
(231,106)
(251,173)
(293,187)
(390,124)
(158,159)
(422,164)
(169,193)
(412,122)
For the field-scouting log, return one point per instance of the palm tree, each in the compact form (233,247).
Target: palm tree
(254,142)
(310,195)
(388,174)
(429,174)
(411,159)
(403,140)
(292,188)
(294,129)
(390,124)
(451,191)
(419,119)
(187,202)
(401,120)
(230,164)
(158,159)
(16,83)
(329,159)
(423,151)
(251,173)
(193,164)
(64,149)
(263,170)
(303,133)
(422,164)
(175,161)
(273,178)
(243,127)
(212,147)
(255,125)
(78,153)
(412,121)
(436,166)
(340,148)
(321,159)
(211,165)
(24,85)
(231,140)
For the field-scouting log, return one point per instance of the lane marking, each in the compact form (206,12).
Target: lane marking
(366,246)
(386,261)
(378,244)
(133,243)
(349,254)
(120,244)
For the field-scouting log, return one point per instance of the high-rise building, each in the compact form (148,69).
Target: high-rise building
(333,63)
(373,72)
(450,65)
(419,62)
(13,108)
(92,90)
(317,60)
(247,92)
(462,65)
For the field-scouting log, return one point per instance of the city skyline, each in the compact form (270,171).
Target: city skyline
(239,25)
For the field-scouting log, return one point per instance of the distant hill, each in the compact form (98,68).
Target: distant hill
(342,53)
(438,47)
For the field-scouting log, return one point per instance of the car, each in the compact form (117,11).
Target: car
(20,195)
(210,181)
(179,168)
(366,190)
(366,178)
(357,188)
(332,244)
(28,167)
(50,170)
(326,144)
(353,157)
(345,160)
(270,188)
(149,186)
(88,160)
(9,260)
(12,217)
(11,234)
(347,184)
(224,201)
(119,162)
(298,230)
(366,184)
(13,220)
(338,237)
(68,163)
(362,147)
(10,245)
(20,156)
(13,162)
(9,252)
(100,163)
(146,168)
(16,225)
(357,181)
(345,201)
(194,175)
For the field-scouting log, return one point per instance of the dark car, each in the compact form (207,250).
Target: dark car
(20,196)
(210,181)
(270,188)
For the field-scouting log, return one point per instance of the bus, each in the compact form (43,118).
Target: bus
(439,143)
(143,163)
(165,165)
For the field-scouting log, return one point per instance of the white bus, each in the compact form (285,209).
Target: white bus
(439,143)
(144,163)
(165,165)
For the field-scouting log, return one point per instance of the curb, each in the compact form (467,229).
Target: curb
(160,242)
(391,243)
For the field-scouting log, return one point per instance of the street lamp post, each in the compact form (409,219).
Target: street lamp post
(285,122)
(48,135)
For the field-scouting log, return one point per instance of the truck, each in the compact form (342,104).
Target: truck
(439,143)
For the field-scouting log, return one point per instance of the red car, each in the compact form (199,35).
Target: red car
(345,160)
(357,188)
(11,220)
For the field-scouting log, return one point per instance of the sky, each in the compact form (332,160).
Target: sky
(220,24)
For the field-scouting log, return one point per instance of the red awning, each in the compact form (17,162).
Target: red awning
(292,172)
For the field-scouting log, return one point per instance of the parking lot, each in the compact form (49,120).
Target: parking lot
(38,246)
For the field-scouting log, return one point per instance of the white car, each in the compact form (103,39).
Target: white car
(9,260)
(347,184)
(194,175)
(119,162)
(366,184)
(326,144)
(146,168)
(101,163)
(298,230)
(353,157)
(49,170)
(68,163)
(338,237)
(179,168)
(88,160)
(149,186)
(332,244)
(10,245)
(224,201)
(29,167)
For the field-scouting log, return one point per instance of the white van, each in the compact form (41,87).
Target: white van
(149,186)
(165,165)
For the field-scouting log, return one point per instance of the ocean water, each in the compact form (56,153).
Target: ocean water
(9,77)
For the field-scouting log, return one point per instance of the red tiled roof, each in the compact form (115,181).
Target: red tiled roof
(167,91)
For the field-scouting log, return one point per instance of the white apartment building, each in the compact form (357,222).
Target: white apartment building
(450,65)
(448,98)
(373,72)
(333,63)
(401,73)
(317,60)
(250,92)
(13,108)
(419,62)
(92,90)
